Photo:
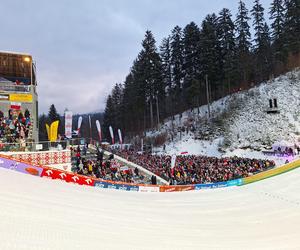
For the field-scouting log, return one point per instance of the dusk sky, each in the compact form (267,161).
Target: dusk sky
(82,48)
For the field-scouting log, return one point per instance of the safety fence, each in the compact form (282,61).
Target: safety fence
(56,174)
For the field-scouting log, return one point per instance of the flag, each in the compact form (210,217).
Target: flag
(120,136)
(99,130)
(173,161)
(111,135)
(90,123)
(79,124)
(52,131)
(68,124)
(15,105)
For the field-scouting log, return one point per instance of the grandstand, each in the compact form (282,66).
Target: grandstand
(18,96)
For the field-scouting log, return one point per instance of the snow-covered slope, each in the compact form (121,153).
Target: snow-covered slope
(239,121)
(37,213)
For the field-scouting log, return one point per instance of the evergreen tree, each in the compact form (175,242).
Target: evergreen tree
(243,43)
(42,128)
(262,47)
(228,48)
(191,62)
(165,55)
(277,14)
(210,54)
(177,65)
(53,115)
(152,73)
(292,26)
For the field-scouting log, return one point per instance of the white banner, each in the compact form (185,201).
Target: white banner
(173,161)
(148,189)
(120,136)
(79,124)
(111,135)
(68,124)
(99,130)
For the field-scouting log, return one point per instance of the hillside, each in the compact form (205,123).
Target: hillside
(238,121)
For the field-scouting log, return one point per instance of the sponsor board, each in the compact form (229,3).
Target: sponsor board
(211,185)
(103,184)
(20,97)
(20,167)
(176,188)
(67,177)
(4,97)
(237,182)
(148,189)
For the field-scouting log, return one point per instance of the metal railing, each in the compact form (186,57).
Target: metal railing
(15,88)
(40,146)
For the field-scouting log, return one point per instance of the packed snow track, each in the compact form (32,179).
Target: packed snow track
(38,213)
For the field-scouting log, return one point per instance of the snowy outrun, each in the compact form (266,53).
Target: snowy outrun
(37,213)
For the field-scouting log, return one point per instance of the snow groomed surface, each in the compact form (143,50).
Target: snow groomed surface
(51,173)
(39,213)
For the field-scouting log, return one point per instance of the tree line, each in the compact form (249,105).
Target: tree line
(212,60)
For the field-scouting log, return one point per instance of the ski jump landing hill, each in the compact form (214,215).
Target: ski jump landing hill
(39,213)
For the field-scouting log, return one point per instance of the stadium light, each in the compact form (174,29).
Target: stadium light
(27,59)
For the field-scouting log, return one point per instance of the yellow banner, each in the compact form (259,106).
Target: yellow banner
(53,131)
(20,97)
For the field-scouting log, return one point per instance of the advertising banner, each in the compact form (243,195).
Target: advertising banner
(148,189)
(4,97)
(20,167)
(176,188)
(68,124)
(111,135)
(20,97)
(67,177)
(103,184)
(120,136)
(213,185)
(99,130)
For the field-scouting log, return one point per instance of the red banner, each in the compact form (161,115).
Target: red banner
(67,177)
(176,188)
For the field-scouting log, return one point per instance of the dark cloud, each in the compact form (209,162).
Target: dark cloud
(83,47)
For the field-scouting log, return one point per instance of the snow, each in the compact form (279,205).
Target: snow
(38,213)
(240,124)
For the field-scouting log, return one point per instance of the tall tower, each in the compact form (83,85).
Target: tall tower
(18,95)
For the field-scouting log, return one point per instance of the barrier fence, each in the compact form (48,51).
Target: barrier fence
(56,174)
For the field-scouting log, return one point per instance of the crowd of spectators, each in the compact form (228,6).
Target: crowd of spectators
(191,169)
(105,169)
(15,127)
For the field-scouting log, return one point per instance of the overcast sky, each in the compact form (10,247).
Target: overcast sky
(83,47)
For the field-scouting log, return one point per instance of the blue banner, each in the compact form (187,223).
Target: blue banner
(231,183)
(102,184)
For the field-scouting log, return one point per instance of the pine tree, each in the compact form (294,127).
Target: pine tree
(42,128)
(277,14)
(243,42)
(228,48)
(177,66)
(292,26)
(210,54)
(262,47)
(152,73)
(53,115)
(191,62)
(165,55)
